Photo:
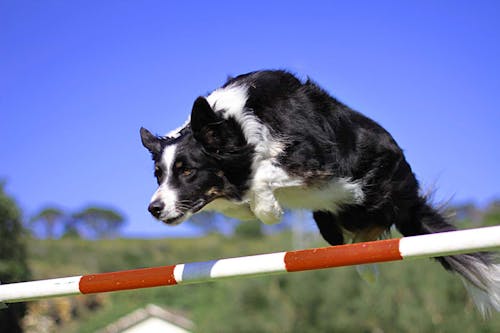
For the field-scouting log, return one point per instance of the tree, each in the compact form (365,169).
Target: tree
(50,217)
(13,266)
(71,228)
(100,221)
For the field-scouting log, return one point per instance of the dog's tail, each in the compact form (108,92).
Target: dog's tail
(480,271)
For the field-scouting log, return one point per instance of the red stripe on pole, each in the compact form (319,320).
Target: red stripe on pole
(343,255)
(124,280)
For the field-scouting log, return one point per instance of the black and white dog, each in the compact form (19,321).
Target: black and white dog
(266,141)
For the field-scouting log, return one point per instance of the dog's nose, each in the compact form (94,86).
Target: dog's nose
(155,208)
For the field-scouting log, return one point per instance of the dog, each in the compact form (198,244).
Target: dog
(266,141)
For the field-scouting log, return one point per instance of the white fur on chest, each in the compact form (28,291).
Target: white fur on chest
(328,197)
(273,189)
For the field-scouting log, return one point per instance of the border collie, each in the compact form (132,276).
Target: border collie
(266,141)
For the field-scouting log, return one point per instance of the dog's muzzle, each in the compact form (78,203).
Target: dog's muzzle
(156,208)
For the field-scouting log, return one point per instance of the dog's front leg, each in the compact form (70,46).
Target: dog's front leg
(265,206)
(263,202)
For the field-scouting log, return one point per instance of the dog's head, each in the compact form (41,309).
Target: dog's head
(208,159)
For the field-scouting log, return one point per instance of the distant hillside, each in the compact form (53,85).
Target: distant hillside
(409,297)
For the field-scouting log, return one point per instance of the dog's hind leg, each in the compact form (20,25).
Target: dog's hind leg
(351,225)
(329,228)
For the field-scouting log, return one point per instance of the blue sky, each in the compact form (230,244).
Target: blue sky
(79,78)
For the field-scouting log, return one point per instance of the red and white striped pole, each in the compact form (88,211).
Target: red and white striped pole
(425,246)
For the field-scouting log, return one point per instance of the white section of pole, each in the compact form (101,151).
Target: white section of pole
(448,243)
(25,291)
(231,267)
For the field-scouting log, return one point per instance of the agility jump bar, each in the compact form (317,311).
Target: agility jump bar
(426,246)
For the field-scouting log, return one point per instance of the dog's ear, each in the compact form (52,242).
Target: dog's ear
(205,124)
(216,134)
(152,142)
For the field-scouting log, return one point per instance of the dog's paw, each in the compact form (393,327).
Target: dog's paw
(269,217)
(269,214)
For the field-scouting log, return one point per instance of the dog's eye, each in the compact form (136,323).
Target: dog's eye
(184,169)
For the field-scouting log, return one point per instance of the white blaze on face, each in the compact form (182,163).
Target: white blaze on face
(165,194)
